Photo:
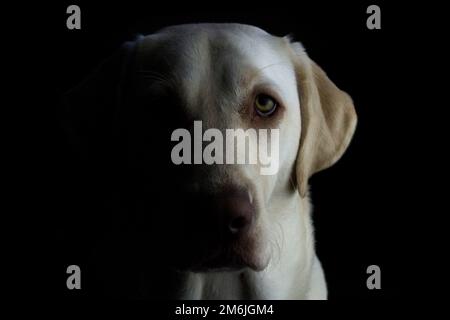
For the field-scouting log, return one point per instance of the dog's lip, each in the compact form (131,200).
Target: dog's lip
(223,264)
(226,262)
(216,267)
(213,268)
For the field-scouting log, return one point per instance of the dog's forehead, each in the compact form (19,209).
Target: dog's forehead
(210,57)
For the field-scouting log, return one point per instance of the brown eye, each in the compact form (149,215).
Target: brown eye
(265,105)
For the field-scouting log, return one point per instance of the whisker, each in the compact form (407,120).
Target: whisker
(272,65)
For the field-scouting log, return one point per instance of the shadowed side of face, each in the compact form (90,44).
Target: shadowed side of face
(223,76)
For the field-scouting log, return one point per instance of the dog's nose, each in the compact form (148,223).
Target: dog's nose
(236,210)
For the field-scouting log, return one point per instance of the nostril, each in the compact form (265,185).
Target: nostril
(235,210)
(238,224)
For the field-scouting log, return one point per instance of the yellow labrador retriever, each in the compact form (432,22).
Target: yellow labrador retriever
(238,234)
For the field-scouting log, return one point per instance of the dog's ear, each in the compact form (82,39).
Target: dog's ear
(328,120)
(91,108)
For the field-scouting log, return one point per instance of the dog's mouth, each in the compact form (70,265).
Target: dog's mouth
(220,264)
(228,262)
(224,264)
(234,255)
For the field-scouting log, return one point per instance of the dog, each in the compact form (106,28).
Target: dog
(216,231)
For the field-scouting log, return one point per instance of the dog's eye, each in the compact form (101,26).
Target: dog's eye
(265,105)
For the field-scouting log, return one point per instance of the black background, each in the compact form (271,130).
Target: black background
(362,205)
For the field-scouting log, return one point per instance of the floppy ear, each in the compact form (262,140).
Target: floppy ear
(91,109)
(328,120)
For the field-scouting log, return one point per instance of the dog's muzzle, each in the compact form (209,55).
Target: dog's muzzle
(219,233)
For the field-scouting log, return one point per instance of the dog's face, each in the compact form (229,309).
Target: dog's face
(221,75)
(229,76)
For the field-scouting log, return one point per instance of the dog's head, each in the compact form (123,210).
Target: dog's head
(219,214)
